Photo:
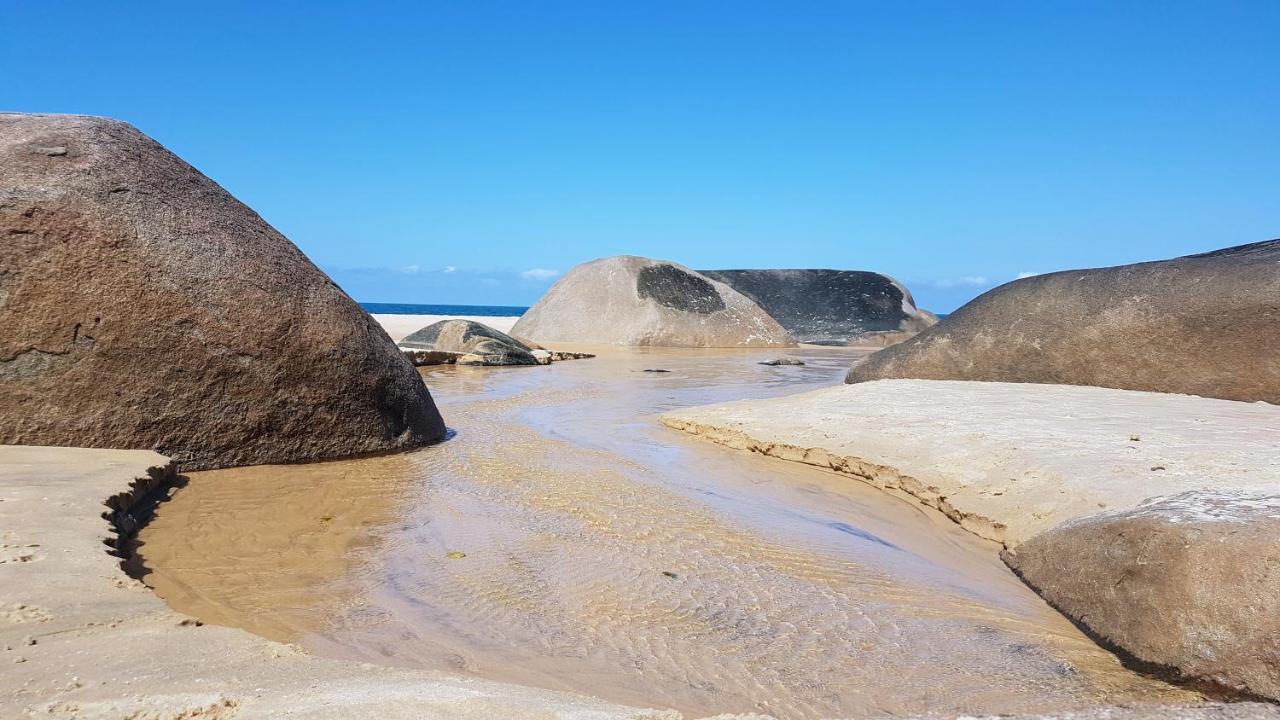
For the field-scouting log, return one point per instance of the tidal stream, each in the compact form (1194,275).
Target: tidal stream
(564,539)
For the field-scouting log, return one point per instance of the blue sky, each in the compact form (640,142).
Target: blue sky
(467,152)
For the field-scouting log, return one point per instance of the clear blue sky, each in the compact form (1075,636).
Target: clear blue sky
(439,151)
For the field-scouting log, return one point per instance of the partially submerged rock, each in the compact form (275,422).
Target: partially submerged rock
(783,361)
(831,307)
(472,343)
(145,307)
(629,300)
(1189,582)
(467,342)
(1202,325)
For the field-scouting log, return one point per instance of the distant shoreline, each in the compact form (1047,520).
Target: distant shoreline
(444,310)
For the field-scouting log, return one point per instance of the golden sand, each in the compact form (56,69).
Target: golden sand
(565,539)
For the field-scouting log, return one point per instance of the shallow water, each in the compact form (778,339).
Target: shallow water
(565,539)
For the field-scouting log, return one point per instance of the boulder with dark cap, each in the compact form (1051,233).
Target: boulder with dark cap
(628,300)
(830,307)
(145,307)
(1201,325)
(473,343)
(1189,582)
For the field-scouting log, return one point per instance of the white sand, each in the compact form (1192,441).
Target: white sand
(398,326)
(1009,460)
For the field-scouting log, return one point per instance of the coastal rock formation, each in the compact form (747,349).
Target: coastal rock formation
(474,343)
(1190,582)
(1203,325)
(145,307)
(628,300)
(831,307)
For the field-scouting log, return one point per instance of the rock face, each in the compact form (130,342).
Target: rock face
(830,307)
(1202,325)
(1190,581)
(628,300)
(145,307)
(468,338)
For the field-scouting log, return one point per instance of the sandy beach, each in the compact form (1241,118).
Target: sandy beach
(564,539)
(81,639)
(634,361)
(1009,460)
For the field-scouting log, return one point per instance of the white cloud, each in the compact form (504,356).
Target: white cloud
(963,281)
(450,268)
(1024,274)
(410,269)
(539,274)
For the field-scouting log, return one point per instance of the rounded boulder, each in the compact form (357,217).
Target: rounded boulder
(628,300)
(145,307)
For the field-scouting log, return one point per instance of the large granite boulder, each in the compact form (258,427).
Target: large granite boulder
(473,343)
(830,307)
(145,307)
(628,300)
(1201,325)
(1189,582)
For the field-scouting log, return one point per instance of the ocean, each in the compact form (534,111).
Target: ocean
(454,310)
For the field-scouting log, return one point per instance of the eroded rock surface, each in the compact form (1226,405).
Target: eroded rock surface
(1201,325)
(628,300)
(1190,582)
(145,307)
(831,307)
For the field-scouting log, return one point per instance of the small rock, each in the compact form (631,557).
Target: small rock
(1157,467)
(783,361)
(455,554)
(655,370)
(670,574)
(52,151)
(1134,438)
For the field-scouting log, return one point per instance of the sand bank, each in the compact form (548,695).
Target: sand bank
(400,326)
(1009,460)
(79,638)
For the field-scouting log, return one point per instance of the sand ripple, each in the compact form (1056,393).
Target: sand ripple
(564,539)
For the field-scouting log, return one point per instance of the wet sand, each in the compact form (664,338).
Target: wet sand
(565,539)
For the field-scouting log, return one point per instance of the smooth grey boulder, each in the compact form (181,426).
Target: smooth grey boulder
(1189,582)
(830,307)
(628,300)
(143,306)
(474,343)
(1202,325)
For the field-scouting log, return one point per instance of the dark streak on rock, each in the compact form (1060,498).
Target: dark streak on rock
(672,287)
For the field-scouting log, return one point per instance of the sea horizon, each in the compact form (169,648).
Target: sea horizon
(429,309)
